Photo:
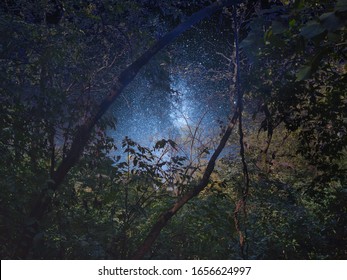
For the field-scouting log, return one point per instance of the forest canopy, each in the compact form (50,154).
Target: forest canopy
(173,129)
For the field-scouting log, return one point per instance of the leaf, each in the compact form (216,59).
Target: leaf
(206,151)
(331,22)
(130,151)
(304,73)
(292,23)
(172,144)
(312,29)
(160,144)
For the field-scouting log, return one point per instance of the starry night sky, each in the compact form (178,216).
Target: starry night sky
(150,110)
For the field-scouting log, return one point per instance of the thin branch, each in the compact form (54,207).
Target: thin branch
(242,202)
(224,56)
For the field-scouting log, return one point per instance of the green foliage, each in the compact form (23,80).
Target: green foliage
(300,83)
(54,69)
(212,216)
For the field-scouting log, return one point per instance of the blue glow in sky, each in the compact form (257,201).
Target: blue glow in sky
(147,116)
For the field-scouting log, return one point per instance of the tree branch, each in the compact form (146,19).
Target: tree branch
(239,92)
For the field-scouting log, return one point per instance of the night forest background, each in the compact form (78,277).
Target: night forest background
(173,129)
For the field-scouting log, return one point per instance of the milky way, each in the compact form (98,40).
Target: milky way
(146,113)
(146,120)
